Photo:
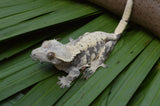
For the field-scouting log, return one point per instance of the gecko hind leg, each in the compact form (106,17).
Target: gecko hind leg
(100,61)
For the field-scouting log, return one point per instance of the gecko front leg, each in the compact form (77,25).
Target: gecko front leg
(66,81)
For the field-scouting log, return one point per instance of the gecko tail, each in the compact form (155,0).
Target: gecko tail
(125,18)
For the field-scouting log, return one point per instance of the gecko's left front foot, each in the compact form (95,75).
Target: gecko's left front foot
(64,82)
(90,71)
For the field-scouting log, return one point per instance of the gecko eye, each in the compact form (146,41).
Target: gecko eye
(50,55)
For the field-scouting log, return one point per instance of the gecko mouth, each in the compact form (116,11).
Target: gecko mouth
(33,57)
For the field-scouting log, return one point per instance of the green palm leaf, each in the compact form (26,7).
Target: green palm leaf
(129,78)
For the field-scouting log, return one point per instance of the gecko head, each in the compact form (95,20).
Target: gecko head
(52,51)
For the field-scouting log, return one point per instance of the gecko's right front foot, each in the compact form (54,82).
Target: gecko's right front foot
(64,82)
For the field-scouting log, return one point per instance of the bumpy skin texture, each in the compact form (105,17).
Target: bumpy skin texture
(86,53)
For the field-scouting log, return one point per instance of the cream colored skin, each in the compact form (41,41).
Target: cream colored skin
(86,53)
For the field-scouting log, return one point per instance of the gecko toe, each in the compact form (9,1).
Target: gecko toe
(63,82)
